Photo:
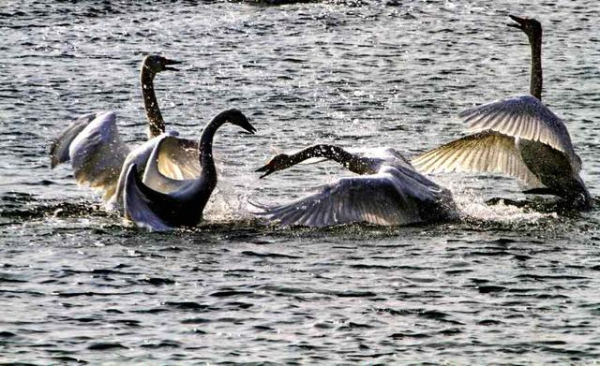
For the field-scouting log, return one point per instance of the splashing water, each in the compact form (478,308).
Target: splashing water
(472,203)
(502,285)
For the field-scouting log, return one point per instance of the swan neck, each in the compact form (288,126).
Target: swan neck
(330,152)
(156,124)
(536,66)
(209,171)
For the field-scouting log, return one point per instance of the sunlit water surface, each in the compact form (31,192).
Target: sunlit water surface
(500,286)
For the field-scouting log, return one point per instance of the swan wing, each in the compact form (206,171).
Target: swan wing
(524,117)
(97,154)
(159,211)
(486,151)
(175,156)
(138,206)
(376,199)
(139,157)
(178,158)
(59,149)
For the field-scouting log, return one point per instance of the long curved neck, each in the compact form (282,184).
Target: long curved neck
(536,66)
(332,152)
(156,124)
(209,171)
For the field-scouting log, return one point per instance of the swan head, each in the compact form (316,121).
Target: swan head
(236,117)
(155,64)
(530,26)
(278,162)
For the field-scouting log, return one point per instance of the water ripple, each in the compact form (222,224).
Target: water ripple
(502,285)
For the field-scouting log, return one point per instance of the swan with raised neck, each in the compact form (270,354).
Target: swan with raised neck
(93,144)
(183,206)
(519,136)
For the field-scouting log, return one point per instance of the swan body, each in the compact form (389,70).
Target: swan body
(93,144)
(388,191)
(517,136)
(177,159)
(175,202)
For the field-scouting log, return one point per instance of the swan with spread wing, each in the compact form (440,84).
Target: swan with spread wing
(518,136)
(97,153)
(388,191)
(171,203)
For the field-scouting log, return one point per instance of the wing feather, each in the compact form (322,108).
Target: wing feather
(59,149)
(97,154)
(524,117)
(172,164)
(377,199)
(482,152)
(137,206)
(178,158)
(157,179)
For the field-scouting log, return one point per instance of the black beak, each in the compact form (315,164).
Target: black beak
(519,20)
(266,169)
(171,62)
(251,130)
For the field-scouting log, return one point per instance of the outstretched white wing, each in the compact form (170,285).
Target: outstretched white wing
(172,163)
(524,117)
(59,149)
(380,199)
(97,154)
(487,151)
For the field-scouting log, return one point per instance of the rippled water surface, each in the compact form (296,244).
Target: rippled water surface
(500,286)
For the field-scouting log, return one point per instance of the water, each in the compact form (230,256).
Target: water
(500,286)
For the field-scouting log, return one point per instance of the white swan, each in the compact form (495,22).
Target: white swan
(175,202)
(92,142)
(388,192)
(518,136)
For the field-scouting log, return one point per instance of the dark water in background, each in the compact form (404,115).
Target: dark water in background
(502,286)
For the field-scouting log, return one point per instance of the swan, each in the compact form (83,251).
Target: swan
(389,191)
(518,136)
(92,143)
(185,199)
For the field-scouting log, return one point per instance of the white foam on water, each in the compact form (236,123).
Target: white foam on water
(472,205)
(229,201)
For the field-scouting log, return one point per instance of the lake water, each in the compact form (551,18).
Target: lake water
(500,286)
